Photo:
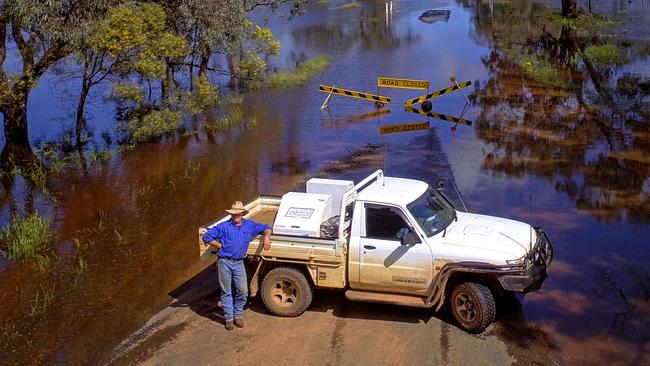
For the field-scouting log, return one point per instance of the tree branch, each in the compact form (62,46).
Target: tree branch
(3,51)
(58,50)
(23,47)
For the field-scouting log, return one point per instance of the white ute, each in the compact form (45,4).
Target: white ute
(393,241)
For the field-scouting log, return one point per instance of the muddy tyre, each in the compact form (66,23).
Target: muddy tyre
(286,292)
(472,305)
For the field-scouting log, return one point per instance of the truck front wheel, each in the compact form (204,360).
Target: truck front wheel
(286,292)
(472,305)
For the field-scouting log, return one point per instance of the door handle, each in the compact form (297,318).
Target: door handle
(369,247)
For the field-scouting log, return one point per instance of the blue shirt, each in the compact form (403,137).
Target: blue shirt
(234,239)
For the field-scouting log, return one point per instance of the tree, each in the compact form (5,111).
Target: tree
(569,8)
(44,32)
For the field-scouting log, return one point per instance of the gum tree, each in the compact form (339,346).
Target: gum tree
(43,32)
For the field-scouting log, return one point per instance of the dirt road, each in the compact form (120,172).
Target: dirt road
(333,331)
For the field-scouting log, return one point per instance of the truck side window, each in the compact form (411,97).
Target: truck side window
(383,222)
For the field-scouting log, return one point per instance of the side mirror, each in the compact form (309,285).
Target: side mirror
(440,185)
(410,238)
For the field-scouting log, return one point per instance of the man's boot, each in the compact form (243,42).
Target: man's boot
(229,325)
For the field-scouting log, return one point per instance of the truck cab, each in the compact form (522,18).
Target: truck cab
(400,242)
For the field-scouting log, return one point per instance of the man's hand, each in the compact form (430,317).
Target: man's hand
(215,244)
(267,239)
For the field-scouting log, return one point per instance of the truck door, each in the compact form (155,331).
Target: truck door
(385,264)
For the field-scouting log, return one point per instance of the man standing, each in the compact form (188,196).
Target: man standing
(232,238)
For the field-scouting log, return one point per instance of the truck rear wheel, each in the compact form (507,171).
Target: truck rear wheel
(472,305)
(286,292)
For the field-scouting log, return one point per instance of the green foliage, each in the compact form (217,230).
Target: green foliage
(538,69)
(138,33)
(351,5)
(205,96)
(42,300)
(231,119)
(604,55)
(153,124)
(264,39)
(261,46)
(97,156)
(252,66)
(27,238)
(583,20)
(36,173)
(128,92)
(300,75)
(218,25)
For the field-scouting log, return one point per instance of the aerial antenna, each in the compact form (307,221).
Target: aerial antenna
(457,192)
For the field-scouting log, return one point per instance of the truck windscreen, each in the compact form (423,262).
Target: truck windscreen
(432,212)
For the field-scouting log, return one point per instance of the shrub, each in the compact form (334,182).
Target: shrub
(27,238)
(300,75)
(538,69)
(205,96)
(128,92)
(604,55)
(153,124)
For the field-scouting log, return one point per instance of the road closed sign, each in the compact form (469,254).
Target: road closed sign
(404,127)
(402,83)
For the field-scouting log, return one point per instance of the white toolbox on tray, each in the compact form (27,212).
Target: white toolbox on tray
(332,187)
(301,214)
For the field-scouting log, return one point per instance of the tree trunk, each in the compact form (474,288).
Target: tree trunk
(15,122)
(16,149)
(231,69)
(81,119)
(569,8)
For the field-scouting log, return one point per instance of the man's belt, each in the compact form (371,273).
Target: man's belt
(230,258)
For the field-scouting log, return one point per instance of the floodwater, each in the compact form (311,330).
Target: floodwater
(571,155)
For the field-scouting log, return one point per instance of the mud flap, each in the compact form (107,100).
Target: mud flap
(255,281)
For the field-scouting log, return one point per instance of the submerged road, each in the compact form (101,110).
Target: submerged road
(333,331)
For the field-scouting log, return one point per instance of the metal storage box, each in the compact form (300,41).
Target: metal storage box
(333,187)
(301,214)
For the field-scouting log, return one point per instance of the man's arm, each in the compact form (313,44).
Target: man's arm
(211,237)
(215,244)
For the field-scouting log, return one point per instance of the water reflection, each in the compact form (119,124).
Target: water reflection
(585,129)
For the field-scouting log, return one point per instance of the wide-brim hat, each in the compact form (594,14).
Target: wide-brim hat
(237,209)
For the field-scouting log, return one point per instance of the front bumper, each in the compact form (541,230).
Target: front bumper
(534,268)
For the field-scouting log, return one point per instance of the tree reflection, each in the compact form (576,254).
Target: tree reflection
(580,124)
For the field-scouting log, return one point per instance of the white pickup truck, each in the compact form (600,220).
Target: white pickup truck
(398,241)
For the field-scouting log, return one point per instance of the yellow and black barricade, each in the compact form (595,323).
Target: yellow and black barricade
(437,93)
(354,94)
(443,117)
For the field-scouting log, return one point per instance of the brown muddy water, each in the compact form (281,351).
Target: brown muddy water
(569,151)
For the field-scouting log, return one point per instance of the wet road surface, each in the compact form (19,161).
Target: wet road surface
(333,331)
